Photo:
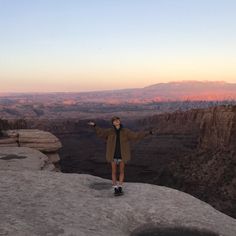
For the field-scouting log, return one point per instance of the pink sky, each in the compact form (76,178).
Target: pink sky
(51,46)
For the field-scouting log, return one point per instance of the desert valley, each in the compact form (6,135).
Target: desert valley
(192,148)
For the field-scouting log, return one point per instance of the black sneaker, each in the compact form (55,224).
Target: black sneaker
(120,190)
(116,191)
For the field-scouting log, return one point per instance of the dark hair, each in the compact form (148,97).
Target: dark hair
(114,118)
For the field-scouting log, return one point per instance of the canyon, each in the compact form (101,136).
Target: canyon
(38,201)
(192,151)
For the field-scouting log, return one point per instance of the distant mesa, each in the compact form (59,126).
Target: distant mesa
(125,102)
(172,91)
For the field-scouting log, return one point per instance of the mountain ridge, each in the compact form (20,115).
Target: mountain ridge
(136,102)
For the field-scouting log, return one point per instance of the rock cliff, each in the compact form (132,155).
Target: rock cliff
(208,170)
(39,203)
(218,129)
(215,126)
(192,151)
(42,141)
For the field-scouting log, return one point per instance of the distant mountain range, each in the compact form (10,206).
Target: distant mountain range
(172,91)
(158,98)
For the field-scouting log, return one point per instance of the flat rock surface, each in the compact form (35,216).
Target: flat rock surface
(21,158)
(48,203)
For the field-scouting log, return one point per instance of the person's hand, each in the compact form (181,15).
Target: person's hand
(151,132)
(91,123)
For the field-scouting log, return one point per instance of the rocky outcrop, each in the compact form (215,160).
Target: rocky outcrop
(48,203)
(207,171)
(9,142)
(40,140)
(22,158)
(215,127)
(218,129)
(210,176)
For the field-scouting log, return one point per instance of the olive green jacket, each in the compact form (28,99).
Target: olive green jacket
(126,135)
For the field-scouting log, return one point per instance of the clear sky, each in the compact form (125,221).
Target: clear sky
(81,45)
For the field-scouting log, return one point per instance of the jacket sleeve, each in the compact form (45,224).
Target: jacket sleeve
(135,136)
(102,133)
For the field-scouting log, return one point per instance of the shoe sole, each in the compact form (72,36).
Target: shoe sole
(118,194)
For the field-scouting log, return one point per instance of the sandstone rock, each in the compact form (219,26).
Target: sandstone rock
(215,126)
(218,128)
(38,139)
(8,142)
(11,133)
(49,203)
(44,147)
(8,145)
(21,158)
(53,157)
(34,138)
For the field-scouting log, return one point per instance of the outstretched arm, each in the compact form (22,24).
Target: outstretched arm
(135,136)
(102,133)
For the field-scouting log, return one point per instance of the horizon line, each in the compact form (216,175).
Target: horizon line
(107,90)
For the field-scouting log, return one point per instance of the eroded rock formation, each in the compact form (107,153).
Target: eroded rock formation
(42,141)
(208,170)
(215,126)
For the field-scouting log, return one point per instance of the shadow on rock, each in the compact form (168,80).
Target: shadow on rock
(100,186)
(179,231)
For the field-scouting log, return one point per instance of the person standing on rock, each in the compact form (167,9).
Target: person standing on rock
(117,148)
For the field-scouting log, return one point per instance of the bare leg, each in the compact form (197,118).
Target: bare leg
(122,172)
(113,170)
